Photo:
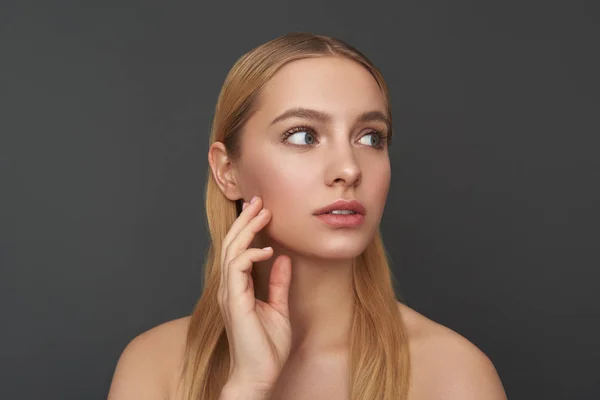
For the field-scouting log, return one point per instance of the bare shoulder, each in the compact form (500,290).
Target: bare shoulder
(149,364)
(445,365)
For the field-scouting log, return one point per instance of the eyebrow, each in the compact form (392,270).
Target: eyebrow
(323,117)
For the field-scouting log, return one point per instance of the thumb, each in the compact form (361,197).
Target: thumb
(279,284)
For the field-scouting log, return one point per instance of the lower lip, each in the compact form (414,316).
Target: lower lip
(342,220)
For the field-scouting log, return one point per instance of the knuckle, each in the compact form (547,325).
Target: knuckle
(234,250)
(231,264)
(236,260)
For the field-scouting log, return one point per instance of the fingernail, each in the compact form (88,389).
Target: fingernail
(253,199)
(244,206)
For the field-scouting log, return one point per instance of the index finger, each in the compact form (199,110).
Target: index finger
(244,218)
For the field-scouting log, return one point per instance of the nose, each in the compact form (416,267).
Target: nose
(343,167)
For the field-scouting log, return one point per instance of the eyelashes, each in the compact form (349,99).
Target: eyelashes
(383,137)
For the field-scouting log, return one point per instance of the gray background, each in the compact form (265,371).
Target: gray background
(491,221)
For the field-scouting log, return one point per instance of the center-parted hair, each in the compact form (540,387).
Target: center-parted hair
(379,354)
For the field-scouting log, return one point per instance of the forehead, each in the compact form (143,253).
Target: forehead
(335,85)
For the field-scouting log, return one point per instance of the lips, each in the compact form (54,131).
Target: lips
(342,221)
(353,205)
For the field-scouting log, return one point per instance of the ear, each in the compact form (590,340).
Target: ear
(223,171)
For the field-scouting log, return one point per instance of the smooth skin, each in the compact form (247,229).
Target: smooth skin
(259,333)
(319,162)
(334,158)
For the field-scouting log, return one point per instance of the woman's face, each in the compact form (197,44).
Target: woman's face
(322,161)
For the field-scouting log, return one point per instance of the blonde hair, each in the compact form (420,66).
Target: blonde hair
(380,363)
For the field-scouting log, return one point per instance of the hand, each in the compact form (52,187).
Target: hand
(259,333)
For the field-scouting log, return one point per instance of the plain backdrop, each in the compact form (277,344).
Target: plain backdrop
(491,221)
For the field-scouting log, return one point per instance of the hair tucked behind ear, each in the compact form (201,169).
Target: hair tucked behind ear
(380,363)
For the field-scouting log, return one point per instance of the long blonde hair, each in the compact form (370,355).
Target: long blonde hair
(380,363)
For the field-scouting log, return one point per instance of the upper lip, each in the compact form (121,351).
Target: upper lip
(353,205)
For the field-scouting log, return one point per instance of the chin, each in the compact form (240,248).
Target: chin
(337,249)
(340,254)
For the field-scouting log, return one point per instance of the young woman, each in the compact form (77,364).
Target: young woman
(298,300)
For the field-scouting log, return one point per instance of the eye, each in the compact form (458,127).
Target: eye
(307,139)
(377,139)
(302,136)
(373,139)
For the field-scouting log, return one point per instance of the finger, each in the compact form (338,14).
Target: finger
(246,234)
(251,210)
(279,284)
(244,238)
(239,287)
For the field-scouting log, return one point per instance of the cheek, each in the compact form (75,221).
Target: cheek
(380,182)
(290,190)
(374,191)
(284,187)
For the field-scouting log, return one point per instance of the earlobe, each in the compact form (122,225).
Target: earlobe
(223,171)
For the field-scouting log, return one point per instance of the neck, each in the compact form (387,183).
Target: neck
(321,300)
